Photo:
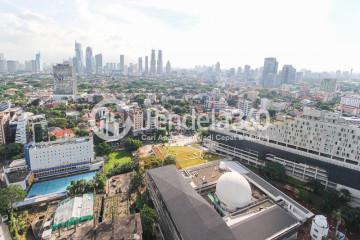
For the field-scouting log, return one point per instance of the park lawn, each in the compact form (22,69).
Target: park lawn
(116,159)
(185,156)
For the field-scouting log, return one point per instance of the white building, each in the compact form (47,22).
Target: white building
(245,106)
(64,156)
(319,228)
(137,117)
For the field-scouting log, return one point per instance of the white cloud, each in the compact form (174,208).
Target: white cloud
(190,32)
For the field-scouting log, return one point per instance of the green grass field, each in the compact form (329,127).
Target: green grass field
(188,156)
(116,159)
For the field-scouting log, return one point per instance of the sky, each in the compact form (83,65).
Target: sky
(321,35)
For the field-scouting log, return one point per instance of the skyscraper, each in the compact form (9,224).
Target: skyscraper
(288,74)
(64,81)
(246,73)
(140,65)
(11,66)
(146,65)
(168,67)
(269,72)
(159,69)
(78,58)
(98,63)
(217,67)
(89,61)
(38,63)
(152,62)
(2,63)
(122,63)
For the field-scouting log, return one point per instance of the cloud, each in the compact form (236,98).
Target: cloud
(303,33)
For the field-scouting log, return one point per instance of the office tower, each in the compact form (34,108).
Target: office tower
(232,72)
(130,68)
(269,72)
(78,58)
(122,63)
(246,73)
(98,63)
(146,65)
(288,74)
(38,67)
(152,62)
(64,81)
(168,67)
(11,66)
(140,65)
(217,67)
(30,66)
(2,63)
(239,71)
(159,63)
(89,60)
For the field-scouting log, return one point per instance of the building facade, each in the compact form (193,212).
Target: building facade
(64,80)
(59,157)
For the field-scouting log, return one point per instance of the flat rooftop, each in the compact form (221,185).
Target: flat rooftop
(266,217)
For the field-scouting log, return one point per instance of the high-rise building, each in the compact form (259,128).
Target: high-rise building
(159,69)
(246,73)
(122,63)
(11,66)
(38,67)
(89,61)
(2,63)
(98,63)
(288,74)
(239,71)
(64,80)
(152,62)
(4,126)
(217,67)
(79,63)
(146,65)
(269,72)
(30,66)
(140,65)
(168,67)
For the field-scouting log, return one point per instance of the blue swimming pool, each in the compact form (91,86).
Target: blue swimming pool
(57,185)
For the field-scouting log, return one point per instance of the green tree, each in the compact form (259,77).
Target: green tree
(169,159)
(102,149)
(132,144)
(275,171)
(148,218)
(136,181)
(8,196)
(100,181)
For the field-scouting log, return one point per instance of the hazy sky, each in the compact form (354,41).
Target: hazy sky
(314,34)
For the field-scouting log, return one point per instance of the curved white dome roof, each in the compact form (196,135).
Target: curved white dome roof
(233,190)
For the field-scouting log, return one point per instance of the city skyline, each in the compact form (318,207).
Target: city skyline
(324,40)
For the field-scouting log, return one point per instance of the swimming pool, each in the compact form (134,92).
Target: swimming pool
(56,185)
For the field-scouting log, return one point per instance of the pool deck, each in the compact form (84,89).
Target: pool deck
(57,185)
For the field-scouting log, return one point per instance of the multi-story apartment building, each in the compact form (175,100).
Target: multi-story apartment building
(59,157)
(245,106)
(4,127)
(318,145)
(137,117)
(350,105)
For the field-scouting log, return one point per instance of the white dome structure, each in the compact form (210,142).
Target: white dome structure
(233,190)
